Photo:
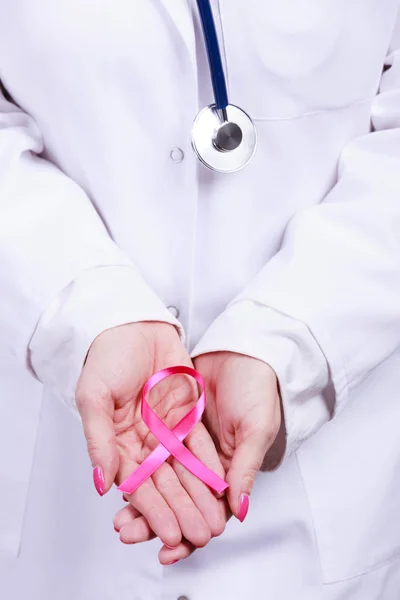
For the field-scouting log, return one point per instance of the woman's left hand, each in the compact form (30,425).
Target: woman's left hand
(243,415)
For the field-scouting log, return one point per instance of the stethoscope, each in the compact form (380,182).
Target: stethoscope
(224,137)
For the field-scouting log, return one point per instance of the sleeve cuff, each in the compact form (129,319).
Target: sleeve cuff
(99,299)
(288,347)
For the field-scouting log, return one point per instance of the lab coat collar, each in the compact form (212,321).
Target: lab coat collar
(181,18)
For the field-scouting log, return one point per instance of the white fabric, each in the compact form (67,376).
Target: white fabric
(289,348)
(96,300)
(294,260)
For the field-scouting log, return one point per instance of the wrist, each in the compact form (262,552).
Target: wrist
(98,300)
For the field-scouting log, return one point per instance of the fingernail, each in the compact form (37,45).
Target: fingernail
(170,547)
(243,507)
(98,480)
(116,530)
(124,498)
(172,563)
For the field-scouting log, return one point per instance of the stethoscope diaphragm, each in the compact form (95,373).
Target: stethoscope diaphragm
(224,137)
(224,141)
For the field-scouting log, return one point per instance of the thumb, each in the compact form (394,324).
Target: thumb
(246,462)
(96,408)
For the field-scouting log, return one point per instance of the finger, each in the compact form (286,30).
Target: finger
(246,462)
(96,408)
(200,442)
(125,516)
(136,528)
(202,496)
(132,526)
(210,507)
(161,519)
(191,521)
(136,532)
(170,556)
(150,503)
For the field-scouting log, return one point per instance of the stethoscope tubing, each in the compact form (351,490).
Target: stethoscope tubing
(224,137)
(214,54)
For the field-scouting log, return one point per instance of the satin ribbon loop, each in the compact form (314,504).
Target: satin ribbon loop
(171,439)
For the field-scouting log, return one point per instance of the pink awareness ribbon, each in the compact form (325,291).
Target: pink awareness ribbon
(171,440)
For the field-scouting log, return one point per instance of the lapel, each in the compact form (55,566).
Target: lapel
(180,13)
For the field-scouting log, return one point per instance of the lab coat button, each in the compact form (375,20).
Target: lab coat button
(174,311)
(177,155)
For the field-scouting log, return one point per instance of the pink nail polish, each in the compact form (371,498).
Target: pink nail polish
(98,480)
(244,507)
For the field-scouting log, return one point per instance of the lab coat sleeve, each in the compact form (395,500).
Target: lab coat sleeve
(62,278)
(325,310)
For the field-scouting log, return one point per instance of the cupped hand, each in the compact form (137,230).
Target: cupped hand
(243,415)
(173,503)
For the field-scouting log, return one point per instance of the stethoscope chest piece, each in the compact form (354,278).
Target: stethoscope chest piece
(224,140)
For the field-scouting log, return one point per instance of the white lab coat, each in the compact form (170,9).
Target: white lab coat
(295,260)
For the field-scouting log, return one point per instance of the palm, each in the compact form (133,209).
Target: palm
(242,414)
(237,409)
(173,502)
(125,374)
(171,400)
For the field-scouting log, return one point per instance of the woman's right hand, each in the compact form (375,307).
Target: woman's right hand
(173,502)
